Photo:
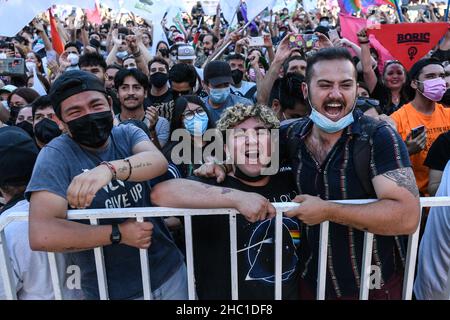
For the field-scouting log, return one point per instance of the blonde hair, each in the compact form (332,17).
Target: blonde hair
(238,113)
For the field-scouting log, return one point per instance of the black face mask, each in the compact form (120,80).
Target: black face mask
(446,98)
(46,130)
(13,113)
(28,127)
(92,130)
(164,52)
(237,76)
(159,79)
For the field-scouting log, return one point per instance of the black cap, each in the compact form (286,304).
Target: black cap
(419,65)
(217,72)
(18,153)
(71,83)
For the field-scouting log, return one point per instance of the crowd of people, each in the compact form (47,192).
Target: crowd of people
(118,121)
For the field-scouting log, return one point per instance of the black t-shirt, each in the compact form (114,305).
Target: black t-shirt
(441,55)
(255,245)
(157,100)
(439,152)
(381,93)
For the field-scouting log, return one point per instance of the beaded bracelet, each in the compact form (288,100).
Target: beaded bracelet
(111,168)
(129,167)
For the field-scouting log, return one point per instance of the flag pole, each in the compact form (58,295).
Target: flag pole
(399,12)
(446,12)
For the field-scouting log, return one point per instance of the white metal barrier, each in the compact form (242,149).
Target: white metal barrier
(139,213)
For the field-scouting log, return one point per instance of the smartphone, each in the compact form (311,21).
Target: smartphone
(333,34)
(256,42)
(415,132)
(12,66)
(310,40)
(296,41)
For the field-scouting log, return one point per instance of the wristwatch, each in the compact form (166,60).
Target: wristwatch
(116,236)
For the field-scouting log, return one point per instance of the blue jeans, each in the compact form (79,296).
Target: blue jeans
(176,288)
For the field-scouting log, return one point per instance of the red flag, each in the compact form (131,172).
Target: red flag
(409,42)
(94,15)
(58,45)
(350,26)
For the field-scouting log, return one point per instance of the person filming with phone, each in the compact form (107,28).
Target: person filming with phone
(422,120)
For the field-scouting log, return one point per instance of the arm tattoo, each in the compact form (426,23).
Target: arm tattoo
(141,165)
(404,177)
(123,169)
(223,190)
(226,190)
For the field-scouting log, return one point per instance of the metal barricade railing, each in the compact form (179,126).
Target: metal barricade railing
(93,215)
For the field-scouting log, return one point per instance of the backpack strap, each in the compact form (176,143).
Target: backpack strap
(362,149)
(250,93)
(293,142)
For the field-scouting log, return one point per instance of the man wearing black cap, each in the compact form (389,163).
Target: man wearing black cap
(422,120)
(97,166)
(217,80)
(31,271)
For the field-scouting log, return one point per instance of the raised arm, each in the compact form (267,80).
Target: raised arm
(370,77)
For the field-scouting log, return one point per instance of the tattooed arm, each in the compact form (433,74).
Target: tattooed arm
(146,163)
(183,193)
(396,212)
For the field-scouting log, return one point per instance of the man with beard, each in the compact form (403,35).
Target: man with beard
(207,46)
(131,85)
(328,148)
(96,165)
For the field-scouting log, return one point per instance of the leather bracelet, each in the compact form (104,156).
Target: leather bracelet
(137,54)
(111,168)
(364,42)
(130,169)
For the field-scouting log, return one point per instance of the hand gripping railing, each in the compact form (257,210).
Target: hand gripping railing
(140,213)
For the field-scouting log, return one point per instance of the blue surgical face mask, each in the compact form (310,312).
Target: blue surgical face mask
(197,125)
(328,125)
(121,55)
(219,95)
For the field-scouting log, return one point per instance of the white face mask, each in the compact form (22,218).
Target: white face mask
(3,55)
(73,59)
(31,66)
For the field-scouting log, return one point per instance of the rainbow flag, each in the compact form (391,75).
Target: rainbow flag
(350,6)
(354,6)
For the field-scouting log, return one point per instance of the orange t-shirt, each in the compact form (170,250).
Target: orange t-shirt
(407,118)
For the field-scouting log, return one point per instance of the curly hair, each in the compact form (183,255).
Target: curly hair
(238,113)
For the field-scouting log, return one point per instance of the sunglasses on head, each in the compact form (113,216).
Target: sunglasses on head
(363,101)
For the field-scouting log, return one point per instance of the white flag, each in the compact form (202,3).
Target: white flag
(150,10)
(16,14)
(37,84)
(255,7)
(310,5)
(228,8)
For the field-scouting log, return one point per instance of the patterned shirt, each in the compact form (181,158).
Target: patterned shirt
(336,179)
